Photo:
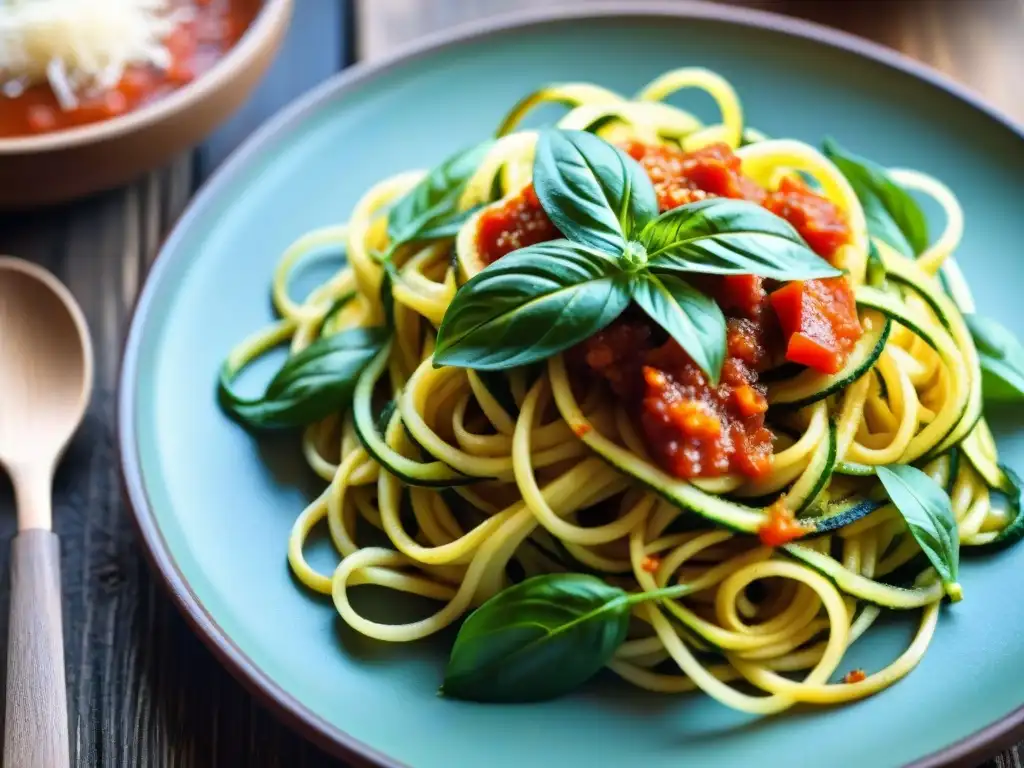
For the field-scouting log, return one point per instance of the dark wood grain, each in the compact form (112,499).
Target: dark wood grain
(142,689)
(36,723)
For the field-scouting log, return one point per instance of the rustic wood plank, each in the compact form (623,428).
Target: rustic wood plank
(142,689)
(36,722)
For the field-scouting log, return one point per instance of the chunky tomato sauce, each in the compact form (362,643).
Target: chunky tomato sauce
(195,46)
(694,429)
(685,177)
(819,320)
(816,218)
(515,224)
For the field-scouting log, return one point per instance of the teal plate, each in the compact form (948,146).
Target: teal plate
(214,506)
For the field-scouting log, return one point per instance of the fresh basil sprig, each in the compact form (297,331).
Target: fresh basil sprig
(311,385)
(541,638)
(594,193)
(685,313)
(720,236)
(892,214)
(1002,359)
(929,515)
(430,210)
(530,305)
(543,299)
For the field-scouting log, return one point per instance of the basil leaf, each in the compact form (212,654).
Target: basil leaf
(892,214)
(429,211)
(537,640)
(690,317)
(448,226)
(336,306)
(1002,359)
(720,236)
(929,515)
(311,385)
(594,193)
(530,305)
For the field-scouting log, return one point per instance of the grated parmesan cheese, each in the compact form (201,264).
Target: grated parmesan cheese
(81,46)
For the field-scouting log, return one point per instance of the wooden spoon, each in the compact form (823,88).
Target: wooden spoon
(46,372)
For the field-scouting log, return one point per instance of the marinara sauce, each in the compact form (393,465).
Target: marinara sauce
(694,428)
(212,28)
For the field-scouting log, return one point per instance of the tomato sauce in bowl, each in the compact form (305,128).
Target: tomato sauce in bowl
(212,28)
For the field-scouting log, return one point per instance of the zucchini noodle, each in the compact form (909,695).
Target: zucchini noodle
(471,481)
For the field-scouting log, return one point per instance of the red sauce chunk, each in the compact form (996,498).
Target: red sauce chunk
(816,218)
(516,224)
(651,563)
(212,28)
(739,295)
(685,177)
(819,321)
(855,676)
(781,527)
(618,354)
(691,428)
(695,429)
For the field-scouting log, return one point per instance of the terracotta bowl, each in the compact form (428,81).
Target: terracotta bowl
(57,167)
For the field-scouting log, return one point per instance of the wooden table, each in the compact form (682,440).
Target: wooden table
(143,691)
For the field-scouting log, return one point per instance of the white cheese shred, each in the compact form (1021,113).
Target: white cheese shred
(81,47)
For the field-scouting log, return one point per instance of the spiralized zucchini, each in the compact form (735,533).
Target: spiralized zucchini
(472,481)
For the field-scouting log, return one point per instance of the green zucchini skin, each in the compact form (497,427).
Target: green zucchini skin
(948,314)
(1013,532)
(824,463)
(435,474)
(716,509)
(869,590)
(890,306)
(843,514)
(854,469)
(991,472)
(952,469)
(496,382)
(456,268)
(810,386)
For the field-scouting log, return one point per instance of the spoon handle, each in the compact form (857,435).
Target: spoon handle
(37,719)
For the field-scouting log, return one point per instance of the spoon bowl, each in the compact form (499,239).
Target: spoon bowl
(45,365)
(46,373)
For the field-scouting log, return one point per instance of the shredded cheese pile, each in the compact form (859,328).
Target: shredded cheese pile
(80,46)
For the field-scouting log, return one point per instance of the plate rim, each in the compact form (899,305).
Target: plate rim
(965,753)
